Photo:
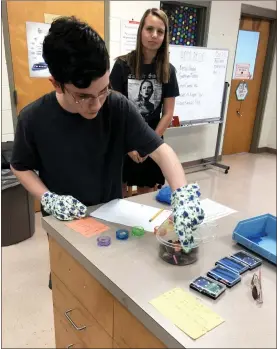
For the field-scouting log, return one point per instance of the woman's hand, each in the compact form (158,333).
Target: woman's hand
(134,155)
(143,159)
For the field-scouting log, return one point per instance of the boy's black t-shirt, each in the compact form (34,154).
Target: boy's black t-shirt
(147,94)
(80,157)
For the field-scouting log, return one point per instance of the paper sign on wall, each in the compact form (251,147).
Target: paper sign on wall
(128,33)
(242,91)
(49,17)
(36,33)
(242,71)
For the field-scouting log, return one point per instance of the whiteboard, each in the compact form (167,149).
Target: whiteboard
(201,76)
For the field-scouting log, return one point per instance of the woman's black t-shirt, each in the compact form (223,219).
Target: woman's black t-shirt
(148,97)
(147,94)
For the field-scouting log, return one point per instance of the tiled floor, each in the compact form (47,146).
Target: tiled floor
(27,319)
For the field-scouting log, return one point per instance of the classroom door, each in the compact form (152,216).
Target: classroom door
(19,12)
(245,85)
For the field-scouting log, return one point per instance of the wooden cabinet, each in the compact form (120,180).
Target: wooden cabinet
(86,315)
(83,324)
(130,333)
(65,337)
(116,346)
(37,205)
(97,300)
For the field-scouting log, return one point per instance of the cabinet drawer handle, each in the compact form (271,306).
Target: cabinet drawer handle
(66,314)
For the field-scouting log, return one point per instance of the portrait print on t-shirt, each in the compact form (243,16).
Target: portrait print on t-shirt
(146,94)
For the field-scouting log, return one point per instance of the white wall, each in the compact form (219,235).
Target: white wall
(271,5)
(7,121)
(198,142)
(128,10)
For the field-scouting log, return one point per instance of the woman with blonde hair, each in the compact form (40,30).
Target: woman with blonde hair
(146,77)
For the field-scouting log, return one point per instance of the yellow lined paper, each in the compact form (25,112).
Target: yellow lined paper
(186,312)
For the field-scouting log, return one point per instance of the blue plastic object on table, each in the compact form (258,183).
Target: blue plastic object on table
(164,195)
(122,234)
(258,234)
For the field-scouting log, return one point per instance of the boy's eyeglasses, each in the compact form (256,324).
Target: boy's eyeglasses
(256,286)
(86,100)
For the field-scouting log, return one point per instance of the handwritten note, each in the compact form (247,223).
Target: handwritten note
(87,226)
(186,312)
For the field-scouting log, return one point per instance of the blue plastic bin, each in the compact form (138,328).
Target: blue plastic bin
(258,234)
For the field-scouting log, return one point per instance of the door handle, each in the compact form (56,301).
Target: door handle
(69,346)
(238,113)
(66,314)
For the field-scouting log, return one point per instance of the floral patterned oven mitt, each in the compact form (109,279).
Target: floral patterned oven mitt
(63,207)
(187,213)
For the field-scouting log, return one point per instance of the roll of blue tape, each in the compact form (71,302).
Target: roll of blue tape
(122,234)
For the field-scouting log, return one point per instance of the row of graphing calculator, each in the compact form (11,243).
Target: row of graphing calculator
(226,273)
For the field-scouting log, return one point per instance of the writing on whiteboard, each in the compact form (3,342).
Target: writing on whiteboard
(192,56)
(188,75)
(201,75)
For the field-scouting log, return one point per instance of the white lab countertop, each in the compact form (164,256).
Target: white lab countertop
(134,274)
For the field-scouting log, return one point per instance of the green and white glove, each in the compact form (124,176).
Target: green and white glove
(187,213)
(63,207)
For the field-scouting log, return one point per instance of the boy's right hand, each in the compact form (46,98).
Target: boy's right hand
(63,207)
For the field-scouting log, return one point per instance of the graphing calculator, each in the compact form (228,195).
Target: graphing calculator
(233,264)
(207,286)
(246,258)
(224,275)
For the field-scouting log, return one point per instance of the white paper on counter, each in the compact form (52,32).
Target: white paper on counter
(213,210)
(131,214)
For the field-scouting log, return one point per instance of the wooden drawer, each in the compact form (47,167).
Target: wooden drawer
(129,332)
(37,205)
(122,345)
(65,337)
(94,297)
(91,334)
(115,345)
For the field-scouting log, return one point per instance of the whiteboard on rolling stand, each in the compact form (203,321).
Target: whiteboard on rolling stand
(201,74)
